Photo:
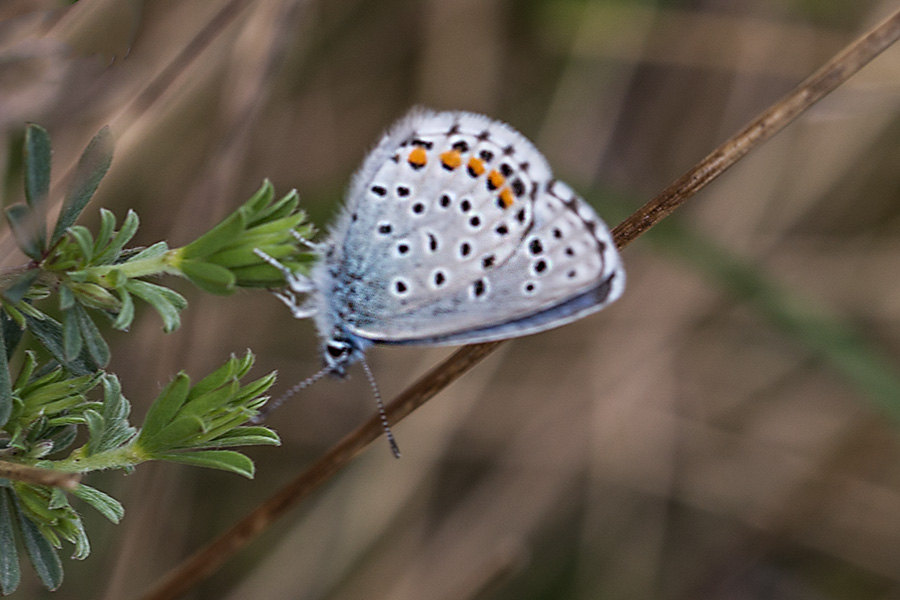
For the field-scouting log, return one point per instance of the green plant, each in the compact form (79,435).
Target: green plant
(94,275)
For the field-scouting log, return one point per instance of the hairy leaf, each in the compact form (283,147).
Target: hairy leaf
(225,460)
(37,177)
(41,552)
(92,166)
(103,503)
(9,556)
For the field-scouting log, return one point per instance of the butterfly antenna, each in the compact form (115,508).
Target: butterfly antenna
(383,415)
(269,407)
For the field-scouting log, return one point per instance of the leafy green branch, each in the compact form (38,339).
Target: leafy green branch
(98,279)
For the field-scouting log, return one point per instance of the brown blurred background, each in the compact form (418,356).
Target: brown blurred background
(705,437)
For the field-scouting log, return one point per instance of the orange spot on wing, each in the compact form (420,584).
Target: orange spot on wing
(506,197)
(495,180)
(476,166)
(417,157)
(451,159)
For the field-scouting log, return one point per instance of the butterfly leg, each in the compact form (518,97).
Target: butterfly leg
(296,284)
(308,243)
(298,310)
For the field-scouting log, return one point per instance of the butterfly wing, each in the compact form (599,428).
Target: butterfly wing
(456,232)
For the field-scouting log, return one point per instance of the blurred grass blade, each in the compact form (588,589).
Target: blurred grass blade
(834,341)
(37,177)
(92,166)
(9,556)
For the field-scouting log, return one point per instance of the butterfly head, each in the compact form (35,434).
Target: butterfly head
(339,351)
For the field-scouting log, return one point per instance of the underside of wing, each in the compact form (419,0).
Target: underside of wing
(467,238)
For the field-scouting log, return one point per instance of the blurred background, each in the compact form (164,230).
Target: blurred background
(729,429)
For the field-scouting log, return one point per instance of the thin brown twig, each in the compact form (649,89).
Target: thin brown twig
(835,72)
(38,476)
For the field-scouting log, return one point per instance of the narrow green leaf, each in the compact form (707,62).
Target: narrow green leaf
(47,375)
(6,400)
(96,425)
(161,299)
(154,251)
(58,498)
(36,501)
(216,379)
(174,435)
(13,324)
(84,240)
(225,460)
(37,166)
(22,285)
(93,340)
(9,555)
(72,340)
(202,405)
(116,279)
(23,223)
(63,437)
(42,554)
(102,502)
(166,406)
(256,388)
(245,256)
(126,311)
(244,364)
(286,205)
(49,333)
(95,296)
(112,251)
(218,237)
(247,436)
(210,278)
(260,197)
(115,406)
(37,176)
(26,370)
(73,530)
(281,227)
(92,166)
(66,298)
(107,227)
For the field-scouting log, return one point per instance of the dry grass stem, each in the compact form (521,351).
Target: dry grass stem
(37,476)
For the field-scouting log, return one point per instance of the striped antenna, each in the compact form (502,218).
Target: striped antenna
(383,415)
(270,406)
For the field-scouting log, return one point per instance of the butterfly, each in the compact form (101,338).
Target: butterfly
(454,231)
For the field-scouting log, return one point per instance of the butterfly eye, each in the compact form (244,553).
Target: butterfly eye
(337,348)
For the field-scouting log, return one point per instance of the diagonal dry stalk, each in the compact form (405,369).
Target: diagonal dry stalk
(835,72)
(39,476)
